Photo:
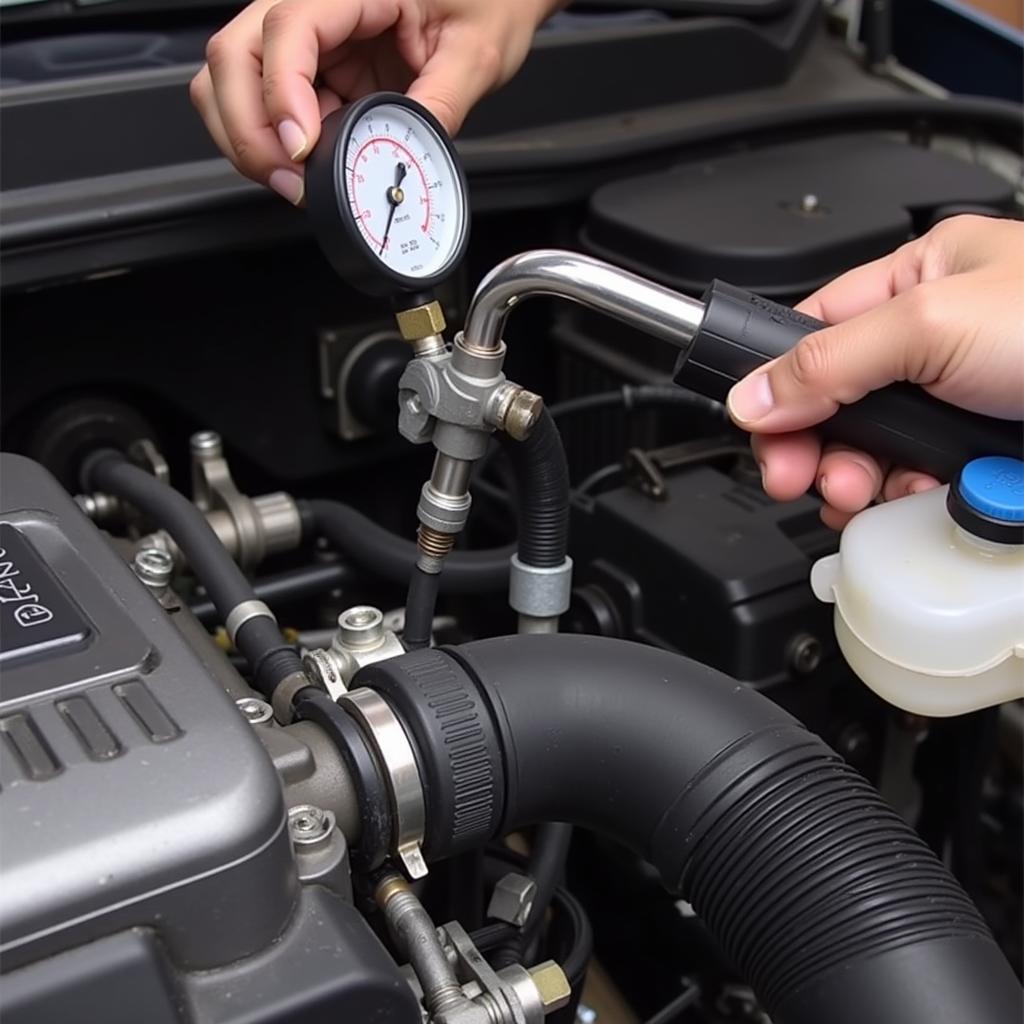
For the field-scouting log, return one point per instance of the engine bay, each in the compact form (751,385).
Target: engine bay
(603,759)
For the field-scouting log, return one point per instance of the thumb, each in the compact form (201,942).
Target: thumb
(459,72)
(897,340)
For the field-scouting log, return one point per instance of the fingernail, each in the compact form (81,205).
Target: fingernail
(288,184)
(293,138)
(751,399)
(823,487)
(764,474)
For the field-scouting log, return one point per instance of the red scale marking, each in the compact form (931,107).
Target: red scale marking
(359,214)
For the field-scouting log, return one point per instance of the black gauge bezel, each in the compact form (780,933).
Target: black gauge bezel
(331,215)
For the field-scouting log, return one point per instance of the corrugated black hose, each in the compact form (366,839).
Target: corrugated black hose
(542,476)
(822,897)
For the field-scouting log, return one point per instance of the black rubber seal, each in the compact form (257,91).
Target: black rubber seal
(977,523)
(313,705)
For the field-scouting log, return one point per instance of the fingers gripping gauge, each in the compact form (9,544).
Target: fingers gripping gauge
(387,198)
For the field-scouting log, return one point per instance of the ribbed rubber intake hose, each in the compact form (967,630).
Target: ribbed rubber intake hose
(542,476)
(372,547)
(259,639)
(821,896)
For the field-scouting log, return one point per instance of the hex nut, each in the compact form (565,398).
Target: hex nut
(522,415)
(420,321)
(256,711)
(552,985)
(512,899)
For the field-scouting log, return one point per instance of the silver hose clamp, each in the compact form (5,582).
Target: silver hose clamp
(242,613)
(540,593)
(387,737)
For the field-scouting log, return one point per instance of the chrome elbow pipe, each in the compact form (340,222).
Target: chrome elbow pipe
(650,307)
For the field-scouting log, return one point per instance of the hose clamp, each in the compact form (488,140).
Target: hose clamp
(540,593)
(242,613)
(389,742)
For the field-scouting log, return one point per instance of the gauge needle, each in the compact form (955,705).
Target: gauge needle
(395,197)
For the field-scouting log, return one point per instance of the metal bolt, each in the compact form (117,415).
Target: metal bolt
(361,626)
(414,405)
(552,986)
(154,567)
(804,653)
(809,203)
(512,899)
(88,504)
(522,415)
(98,507)
(256,711)
(309,824)
(206,444)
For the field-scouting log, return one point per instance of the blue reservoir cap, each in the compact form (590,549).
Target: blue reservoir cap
(994,486)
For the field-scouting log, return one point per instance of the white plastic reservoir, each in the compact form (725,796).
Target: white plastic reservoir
(929,593)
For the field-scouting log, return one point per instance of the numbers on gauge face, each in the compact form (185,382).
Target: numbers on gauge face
(403,191)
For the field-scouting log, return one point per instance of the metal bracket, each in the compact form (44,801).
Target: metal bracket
(250,528)
(388,739)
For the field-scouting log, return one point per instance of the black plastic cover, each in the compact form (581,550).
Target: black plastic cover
(717,570)
(784,219)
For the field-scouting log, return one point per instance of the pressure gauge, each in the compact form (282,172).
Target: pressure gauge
(387,196)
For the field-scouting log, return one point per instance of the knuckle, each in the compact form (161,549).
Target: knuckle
(217,49)
(242,148)
(281,17)
(197,92)
(489,59)
(810,362)
(273,82)
(925,308)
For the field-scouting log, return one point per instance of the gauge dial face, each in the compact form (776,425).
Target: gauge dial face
(403,191)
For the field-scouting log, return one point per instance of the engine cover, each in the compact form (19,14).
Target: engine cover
(133,790)
(144,828)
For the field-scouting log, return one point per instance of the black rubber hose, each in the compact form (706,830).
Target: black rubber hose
(549,852)
(367,544)
(542,482)
(542,474)
(419,609)
(259,639)
(285,587)
(548,856)
(823,898)
(640,396)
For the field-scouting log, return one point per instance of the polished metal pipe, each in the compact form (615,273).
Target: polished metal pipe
(650,307)
(450,476)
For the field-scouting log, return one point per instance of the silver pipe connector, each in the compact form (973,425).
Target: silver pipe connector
(649,307)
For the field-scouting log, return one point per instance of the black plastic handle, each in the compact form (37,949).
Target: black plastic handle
(741,331)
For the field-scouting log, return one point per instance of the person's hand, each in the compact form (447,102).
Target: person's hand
(945,311)
(281,66)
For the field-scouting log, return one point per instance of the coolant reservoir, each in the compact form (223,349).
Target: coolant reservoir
(929,593)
